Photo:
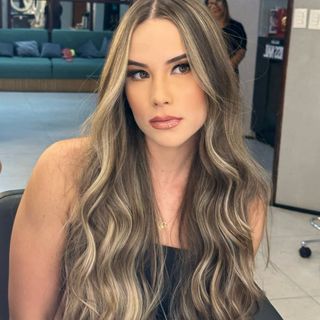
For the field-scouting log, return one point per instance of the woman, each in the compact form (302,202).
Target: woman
(235,35)
(159,211)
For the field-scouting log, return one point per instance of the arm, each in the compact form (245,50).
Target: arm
(238,42)
(257,218)
(238,57)
(37,240)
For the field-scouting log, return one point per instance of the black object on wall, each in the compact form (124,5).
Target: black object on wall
(267,89)
(111,16)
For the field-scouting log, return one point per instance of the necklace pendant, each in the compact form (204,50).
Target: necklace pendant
(162,225)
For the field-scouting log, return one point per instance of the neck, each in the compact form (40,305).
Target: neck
(221,21)
(170,166)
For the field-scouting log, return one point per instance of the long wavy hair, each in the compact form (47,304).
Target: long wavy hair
(113,265)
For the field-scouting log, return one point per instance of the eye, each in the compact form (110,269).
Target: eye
(137,74)
(181,68)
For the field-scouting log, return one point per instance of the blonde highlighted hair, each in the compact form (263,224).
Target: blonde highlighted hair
(113,235)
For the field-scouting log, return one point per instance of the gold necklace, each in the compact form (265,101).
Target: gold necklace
(162,224)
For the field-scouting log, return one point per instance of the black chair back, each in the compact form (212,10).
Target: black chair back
(9,202)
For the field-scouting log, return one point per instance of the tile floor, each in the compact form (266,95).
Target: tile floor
(29,122)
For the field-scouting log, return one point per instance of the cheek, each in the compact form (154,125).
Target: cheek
(199,107)
(197,101)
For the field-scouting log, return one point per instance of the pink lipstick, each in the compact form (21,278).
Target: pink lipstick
(165,122)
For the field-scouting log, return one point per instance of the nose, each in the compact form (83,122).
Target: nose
(160,95)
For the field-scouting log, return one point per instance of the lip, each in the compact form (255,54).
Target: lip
(165,122)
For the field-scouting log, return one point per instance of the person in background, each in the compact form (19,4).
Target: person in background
(52,12)
(234,33)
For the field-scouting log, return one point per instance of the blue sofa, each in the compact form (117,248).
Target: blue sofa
(21,73)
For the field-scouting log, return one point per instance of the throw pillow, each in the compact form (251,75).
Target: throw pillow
(27,48)
(88,50)
(104,47)
(51,50)
(6,49)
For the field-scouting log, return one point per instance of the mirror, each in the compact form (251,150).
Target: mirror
(53,14)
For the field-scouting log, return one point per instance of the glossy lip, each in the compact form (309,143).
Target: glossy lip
(164,118)
(165,122)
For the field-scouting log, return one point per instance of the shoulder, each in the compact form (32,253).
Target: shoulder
(235,26)
(54,178)
(38,235)
(235,23)
(65,153)
(63,159)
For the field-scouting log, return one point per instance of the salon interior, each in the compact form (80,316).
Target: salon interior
(279,82)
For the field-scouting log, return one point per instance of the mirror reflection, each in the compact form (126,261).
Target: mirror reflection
(55,14)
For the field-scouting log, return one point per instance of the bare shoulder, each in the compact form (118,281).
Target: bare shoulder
(55,175)
(65,154)
(38,235)
(64,158)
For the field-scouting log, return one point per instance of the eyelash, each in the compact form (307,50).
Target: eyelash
(132,73)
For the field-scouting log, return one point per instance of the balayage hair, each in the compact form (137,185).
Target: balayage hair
(112,233)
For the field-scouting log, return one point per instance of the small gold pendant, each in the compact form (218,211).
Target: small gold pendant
(162,225)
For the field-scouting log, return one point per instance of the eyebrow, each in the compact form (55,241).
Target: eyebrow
(172,60)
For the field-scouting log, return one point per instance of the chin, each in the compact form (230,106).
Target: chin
(172,142)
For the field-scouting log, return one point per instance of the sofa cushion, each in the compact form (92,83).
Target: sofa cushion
(6,49)
(88,50)
(77,68)
(75,38)
(27,48)
(25,68)
(51,50)
(18,34)
(104,47)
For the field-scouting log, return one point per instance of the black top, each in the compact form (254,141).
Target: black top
(236,37)
(171,257)
(266,310)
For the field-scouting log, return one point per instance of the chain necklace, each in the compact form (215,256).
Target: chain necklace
(162,224)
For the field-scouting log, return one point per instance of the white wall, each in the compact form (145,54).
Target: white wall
(298,182)
(66,17)
(98,9)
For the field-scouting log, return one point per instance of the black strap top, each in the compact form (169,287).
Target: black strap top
(171,254)
(265,310)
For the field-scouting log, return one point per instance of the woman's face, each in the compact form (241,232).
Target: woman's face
(216,8)
(168,105)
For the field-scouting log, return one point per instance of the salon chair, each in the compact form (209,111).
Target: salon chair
(9,202)
(305,251)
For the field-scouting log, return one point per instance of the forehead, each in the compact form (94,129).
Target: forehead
(155,36)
